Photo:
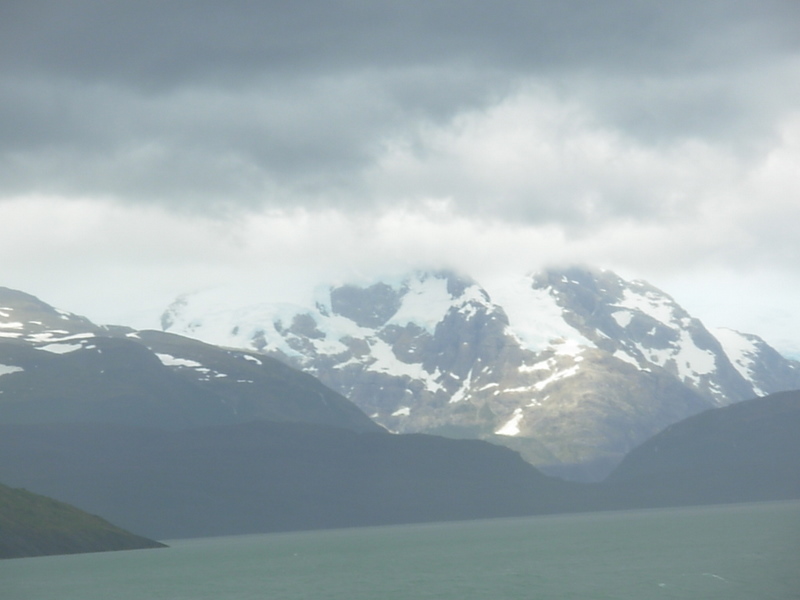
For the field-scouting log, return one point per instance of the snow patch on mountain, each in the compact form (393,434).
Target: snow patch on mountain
(658,306)
(211,321)
(557,376)
(9,369)
(623,317)
(58,336)
(542,365)
(743,352)
(534,315)
(385,361)
(206,373)
(171,361)
(625,357)
(426,300)
(60,348)
(463,391)
(690,361)
(570,347)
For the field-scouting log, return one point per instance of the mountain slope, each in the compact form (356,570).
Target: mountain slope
(33,525)
(572,368)
(56,366)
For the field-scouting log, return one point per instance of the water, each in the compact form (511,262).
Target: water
(730,552)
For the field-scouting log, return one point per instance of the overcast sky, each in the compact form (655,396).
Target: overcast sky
(153,148)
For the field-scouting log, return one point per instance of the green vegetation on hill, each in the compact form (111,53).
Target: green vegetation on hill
(34,525)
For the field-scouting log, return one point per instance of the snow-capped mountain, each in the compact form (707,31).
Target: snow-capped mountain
(572,368)
(57,366)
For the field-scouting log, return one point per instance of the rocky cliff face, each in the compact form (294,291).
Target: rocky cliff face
(572,368)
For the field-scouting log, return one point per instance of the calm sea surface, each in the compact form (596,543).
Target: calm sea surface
(743,551)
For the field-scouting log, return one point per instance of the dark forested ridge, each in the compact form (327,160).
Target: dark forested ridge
(266,476)
(745,452)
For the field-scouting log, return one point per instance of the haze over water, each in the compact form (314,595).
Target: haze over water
(731,552)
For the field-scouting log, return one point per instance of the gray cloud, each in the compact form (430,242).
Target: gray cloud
(660,139)
(156,44)
(219,106)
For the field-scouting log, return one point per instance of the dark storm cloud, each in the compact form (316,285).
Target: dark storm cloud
(243,103)
(167,44)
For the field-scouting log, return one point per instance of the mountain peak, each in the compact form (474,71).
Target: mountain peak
(568,366)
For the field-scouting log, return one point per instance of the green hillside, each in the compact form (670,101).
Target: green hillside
(34,525)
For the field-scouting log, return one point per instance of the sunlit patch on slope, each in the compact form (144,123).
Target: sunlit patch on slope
(511,428)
